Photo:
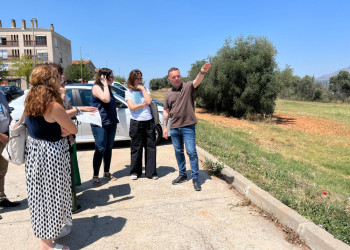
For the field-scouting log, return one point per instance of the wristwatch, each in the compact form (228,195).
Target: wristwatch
(202,73)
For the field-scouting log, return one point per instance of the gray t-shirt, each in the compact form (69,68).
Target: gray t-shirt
(180,103)
(4,114)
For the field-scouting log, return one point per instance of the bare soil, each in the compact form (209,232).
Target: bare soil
(311,125)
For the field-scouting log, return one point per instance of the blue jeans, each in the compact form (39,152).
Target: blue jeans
(185,136)
(104,140)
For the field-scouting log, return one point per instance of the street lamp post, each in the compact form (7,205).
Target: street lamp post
(33,21)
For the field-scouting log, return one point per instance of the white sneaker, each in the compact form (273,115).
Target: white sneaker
(133,177)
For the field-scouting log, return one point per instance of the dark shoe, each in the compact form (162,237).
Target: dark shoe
(179,179)
(110,176)
(7,203)
(96,181)
(196,185)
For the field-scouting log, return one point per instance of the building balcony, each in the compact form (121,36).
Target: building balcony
(12,57)
(37,43)
(9,43)
(9,57)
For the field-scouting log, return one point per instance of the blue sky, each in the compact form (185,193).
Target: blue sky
(313,37)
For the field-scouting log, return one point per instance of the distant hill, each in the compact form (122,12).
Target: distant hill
(325,78)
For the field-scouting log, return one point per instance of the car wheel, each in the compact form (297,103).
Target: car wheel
(158,134)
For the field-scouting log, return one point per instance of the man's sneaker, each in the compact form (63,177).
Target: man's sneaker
(179,179)
(7,203)
(196,185)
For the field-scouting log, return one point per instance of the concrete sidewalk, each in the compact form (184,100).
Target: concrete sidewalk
(146,214)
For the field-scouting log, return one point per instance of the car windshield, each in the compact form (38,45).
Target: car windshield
(119,92)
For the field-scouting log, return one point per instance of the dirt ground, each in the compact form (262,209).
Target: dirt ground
(305,124)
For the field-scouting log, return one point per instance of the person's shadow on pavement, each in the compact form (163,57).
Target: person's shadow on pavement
(161,171)
(86,231)
(92,198)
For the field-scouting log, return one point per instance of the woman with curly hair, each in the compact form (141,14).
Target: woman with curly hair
(47,157)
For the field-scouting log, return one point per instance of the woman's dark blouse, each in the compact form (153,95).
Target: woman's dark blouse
(40,129)
(107,111)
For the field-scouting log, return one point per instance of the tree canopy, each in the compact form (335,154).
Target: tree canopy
(340,84)
(23,67)
(240,81)
(119,79)
(3,72)
(159,83)
(74,72)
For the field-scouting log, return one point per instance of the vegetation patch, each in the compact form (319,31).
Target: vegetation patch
(214,168)
(315,191)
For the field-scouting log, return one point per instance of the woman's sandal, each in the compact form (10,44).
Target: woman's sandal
(110,176)
(59,246)
(96,181)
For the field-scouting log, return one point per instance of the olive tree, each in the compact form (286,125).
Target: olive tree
(240,81)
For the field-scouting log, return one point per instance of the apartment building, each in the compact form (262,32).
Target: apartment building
(43,44)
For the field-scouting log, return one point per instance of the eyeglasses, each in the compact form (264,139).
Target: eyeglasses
(110,77)
(139,78)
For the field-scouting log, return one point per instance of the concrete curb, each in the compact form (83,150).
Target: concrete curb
(314,236)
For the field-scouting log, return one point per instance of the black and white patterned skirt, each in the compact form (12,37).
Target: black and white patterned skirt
(49,186)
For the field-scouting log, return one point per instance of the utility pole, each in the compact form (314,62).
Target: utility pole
(81,67)
(33,23)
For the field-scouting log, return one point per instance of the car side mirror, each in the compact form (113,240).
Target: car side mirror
(11,109)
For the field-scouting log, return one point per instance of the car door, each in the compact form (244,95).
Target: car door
(123,114)
(75,101)
(85,129)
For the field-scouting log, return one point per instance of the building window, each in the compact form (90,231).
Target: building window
(2,40)
(55,42)
(14,54)
(28,52)
(41,40)
(43,56)
(3,54)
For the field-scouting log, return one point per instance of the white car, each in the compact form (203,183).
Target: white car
(80,95)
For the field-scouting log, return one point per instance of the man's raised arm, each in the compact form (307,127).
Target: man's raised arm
(201,74)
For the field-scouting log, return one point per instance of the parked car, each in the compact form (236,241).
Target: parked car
(119,85)
(11,92)
(80,95)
